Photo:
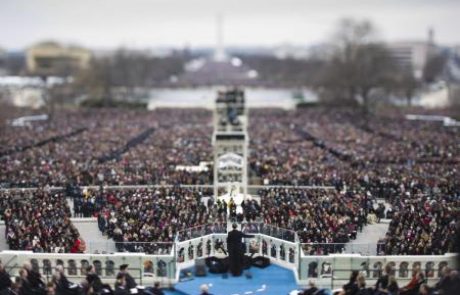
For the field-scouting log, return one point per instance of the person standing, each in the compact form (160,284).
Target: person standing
(130,282)
(5,280)
(94,283)
(120,285)
(157,290)
(236,250)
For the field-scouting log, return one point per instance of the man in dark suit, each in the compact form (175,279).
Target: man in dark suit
(130,282)
(95,284)
(5,281)
(236,250)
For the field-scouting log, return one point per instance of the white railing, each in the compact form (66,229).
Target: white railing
(147,269)
(149,248)
(328,270)
(334,270)
(320,249)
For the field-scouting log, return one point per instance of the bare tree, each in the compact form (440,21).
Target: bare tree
(96,81)
(406,84)
(433,67)
(454,99)
(359,65)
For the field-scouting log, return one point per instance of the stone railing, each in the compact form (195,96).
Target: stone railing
(147,269)
(334,270)
(164,266)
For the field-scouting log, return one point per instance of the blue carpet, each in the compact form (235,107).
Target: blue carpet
(175,292)
(273,280)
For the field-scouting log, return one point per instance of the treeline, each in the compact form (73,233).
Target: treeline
(124,73)
(355,68)
(361,71)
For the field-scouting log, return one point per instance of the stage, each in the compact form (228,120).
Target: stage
(273,280)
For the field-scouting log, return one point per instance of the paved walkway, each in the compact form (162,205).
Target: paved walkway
(366,242)
(70,203)
(95,241)
(3,244)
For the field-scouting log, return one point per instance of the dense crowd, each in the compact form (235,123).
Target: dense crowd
(409,163)
(281,156)
(39,222)
(304,147)
(147,220)
(387,284)
(423,226)
(169,156)
(384,155)
(106,150)
(413,165)
(319,216)
(21,137)
(30,281)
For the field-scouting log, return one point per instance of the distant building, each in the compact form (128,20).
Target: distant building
(50,58)
(3,57)
(411,54)
(414,54)
(454,93)
(456,50)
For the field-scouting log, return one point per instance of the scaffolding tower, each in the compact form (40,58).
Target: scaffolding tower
(230,143)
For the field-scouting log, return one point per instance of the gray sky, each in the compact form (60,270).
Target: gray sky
(150,23)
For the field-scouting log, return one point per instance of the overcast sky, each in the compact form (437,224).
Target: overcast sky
(151,23)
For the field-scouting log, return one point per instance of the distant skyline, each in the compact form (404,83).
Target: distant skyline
(104,24)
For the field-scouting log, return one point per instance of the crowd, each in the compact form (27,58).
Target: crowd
(157,160)
(29,281)
(387,284)
(39,222)
(319,216)
(306,147)
(86,203)
(75,159)
(414,165)
(423,226)
(147,220)
(386,156)
(101,153)
(281,156)
(31,133)
(383,155)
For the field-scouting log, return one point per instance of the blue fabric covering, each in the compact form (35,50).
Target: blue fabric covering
(175,292)
(273,280)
